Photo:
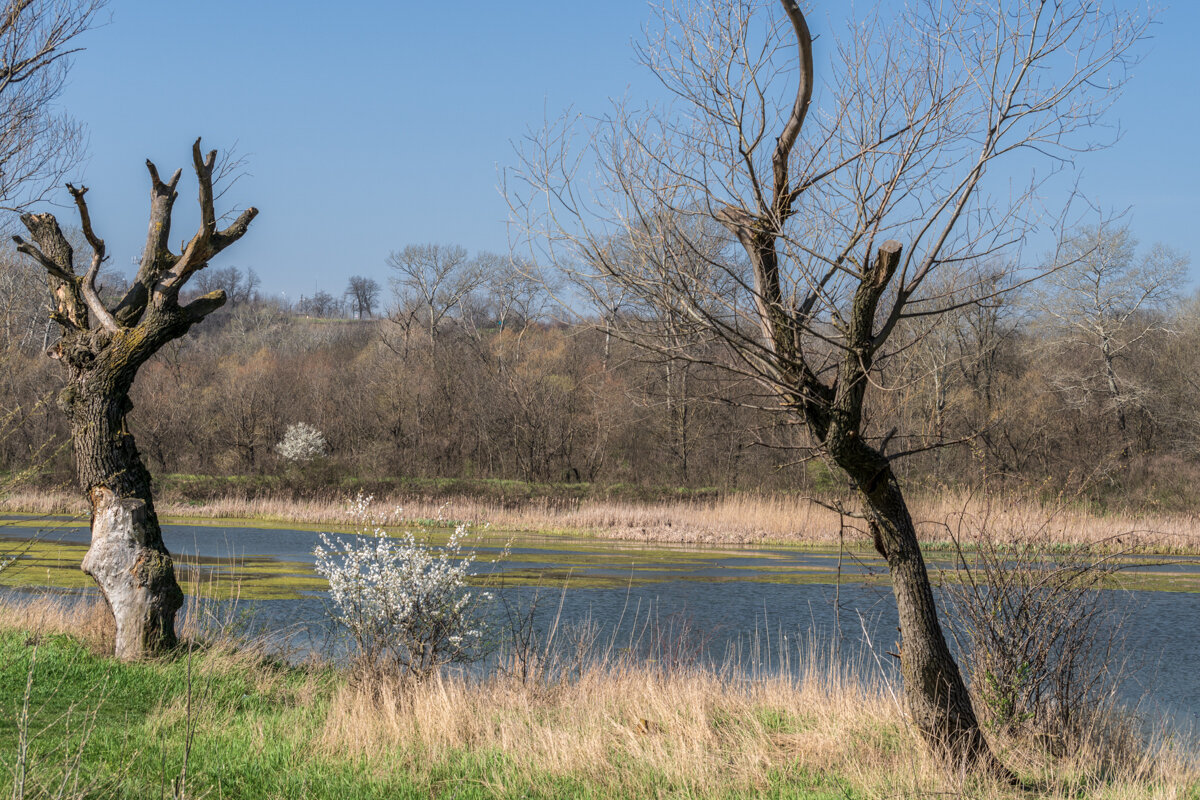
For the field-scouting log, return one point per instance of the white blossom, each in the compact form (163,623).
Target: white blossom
(301,443)
(405,603)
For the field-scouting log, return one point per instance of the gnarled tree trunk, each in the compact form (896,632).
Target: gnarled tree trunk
(127,557)
(102,349)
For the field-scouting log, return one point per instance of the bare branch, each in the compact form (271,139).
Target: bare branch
(791,130)
(157,257)
(207,241)
(204,305)
(88,284)
(53,252)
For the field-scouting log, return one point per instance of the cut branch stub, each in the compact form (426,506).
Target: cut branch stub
(207,241)
(156,255)
(53,252)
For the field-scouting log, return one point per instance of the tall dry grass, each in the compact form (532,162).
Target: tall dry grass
(623,725)
(628,726)
(86,618)
(733,519)
(692,728)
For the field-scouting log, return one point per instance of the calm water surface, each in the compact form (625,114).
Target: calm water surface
(758,604)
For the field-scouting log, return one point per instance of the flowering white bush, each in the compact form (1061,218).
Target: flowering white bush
(405,603)
(301,442)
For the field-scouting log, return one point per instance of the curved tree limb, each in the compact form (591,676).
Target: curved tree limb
(791,129)
(88,285)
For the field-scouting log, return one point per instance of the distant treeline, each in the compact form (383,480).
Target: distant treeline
(463,372)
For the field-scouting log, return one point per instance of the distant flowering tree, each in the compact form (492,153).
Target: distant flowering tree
(301,443)
(406,604)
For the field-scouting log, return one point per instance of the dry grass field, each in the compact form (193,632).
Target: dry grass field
(733,519)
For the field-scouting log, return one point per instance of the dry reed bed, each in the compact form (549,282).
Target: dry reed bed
(87,620)
(735,519)
(614,723)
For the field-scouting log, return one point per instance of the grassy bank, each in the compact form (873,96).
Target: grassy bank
(226,722)
(730,519)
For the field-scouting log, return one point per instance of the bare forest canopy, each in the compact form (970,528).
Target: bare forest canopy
(1085,384)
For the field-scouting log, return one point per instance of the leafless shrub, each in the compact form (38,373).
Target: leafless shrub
(1040,629)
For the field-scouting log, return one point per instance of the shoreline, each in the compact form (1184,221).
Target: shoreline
(943,522)
(612,725)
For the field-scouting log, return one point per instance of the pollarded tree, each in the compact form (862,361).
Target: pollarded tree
(840,199)
(102,346)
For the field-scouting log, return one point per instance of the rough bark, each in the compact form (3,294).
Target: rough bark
(127,557)
(102,350)
(934,688)
(936,695)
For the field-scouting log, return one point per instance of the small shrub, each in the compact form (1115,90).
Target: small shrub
(1038,631)
(405,603)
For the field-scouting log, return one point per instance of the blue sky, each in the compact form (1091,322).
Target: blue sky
(372,125)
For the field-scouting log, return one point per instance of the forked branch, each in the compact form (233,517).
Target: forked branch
(207,241)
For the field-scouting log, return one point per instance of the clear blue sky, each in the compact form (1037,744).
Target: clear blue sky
(371,125)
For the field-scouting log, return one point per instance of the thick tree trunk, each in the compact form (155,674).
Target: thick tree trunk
(934,688)
(127,557)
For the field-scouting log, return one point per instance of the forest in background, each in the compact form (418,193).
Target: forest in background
(462,368)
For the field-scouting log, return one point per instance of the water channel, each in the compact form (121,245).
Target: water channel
(759,605)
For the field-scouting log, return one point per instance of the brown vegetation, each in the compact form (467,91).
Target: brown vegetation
(87,620)
(550,404)
(741,518)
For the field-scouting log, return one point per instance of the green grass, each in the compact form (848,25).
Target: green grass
(254,728)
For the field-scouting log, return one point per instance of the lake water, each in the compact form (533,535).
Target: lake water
(759,605)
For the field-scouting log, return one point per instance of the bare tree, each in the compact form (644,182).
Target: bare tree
(239,287)
(102,347)
(843,203)
(37,145)
(432,280)
(1106,299)
(516,290)
(321,304)
(364,294)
